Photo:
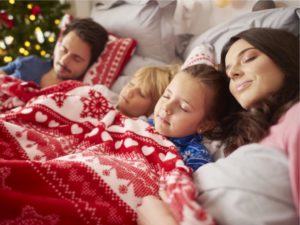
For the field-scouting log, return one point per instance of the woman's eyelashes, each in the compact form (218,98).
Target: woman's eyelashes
(249,56)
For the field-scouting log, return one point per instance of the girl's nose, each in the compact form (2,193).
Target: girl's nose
(167,109)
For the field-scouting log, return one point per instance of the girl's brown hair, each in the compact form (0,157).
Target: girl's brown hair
(214,79)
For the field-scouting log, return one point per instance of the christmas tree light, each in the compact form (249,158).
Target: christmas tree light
(29,27)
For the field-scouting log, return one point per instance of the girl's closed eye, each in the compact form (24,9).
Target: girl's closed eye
(184,108)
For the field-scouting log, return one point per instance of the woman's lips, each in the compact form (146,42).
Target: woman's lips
(242,86)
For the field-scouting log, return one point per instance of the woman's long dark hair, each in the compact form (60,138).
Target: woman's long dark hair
(243,127)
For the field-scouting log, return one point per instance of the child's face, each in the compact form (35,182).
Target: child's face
(181,110)
(132,102)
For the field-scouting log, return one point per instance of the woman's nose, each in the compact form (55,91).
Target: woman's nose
(234,72)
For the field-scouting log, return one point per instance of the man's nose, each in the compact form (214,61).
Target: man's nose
(65,59)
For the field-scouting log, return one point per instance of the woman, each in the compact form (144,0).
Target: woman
(256,183)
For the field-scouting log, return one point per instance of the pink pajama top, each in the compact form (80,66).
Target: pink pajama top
(285,135)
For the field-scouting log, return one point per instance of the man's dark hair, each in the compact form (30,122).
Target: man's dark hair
(92,33)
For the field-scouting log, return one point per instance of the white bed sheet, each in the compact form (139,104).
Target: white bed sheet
(249,187)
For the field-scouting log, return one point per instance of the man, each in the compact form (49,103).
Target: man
(82,42)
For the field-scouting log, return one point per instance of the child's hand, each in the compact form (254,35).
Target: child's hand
(153,211)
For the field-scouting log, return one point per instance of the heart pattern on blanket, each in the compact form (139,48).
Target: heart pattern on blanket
(162,156)
(147,150)
(40,117)
(180,163)
(118,144)
(53,123)
(26,111)
(93,132)
(75,129)
(169,156)
(129,142)
(105,136)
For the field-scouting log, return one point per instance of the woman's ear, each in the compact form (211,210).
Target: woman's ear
(205,126)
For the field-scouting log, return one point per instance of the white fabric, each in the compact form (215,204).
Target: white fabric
(281,18)
(150,24)
(106,4)
(111,96)
(186,16)
(251,186)
(202,54)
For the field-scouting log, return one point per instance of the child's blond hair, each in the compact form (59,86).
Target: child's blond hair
(153,80)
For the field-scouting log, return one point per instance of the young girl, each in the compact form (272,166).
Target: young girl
(140,95)
(191,106)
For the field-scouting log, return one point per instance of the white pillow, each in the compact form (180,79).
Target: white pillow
(283,18)
(150,24)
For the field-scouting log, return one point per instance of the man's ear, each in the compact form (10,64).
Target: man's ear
(205,126)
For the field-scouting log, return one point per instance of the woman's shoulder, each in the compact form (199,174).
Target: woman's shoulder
(244,181)
(286,131)
(293,111)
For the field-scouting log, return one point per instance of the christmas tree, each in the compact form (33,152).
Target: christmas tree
(29,27)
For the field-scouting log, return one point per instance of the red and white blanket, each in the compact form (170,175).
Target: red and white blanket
(67,157)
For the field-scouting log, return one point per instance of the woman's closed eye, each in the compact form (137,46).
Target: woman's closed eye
(248,57)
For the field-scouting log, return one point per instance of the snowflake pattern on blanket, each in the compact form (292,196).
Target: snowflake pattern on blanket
(68,157)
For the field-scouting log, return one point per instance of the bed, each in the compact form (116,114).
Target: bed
(68,157)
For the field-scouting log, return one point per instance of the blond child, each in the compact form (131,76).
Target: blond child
(139,96)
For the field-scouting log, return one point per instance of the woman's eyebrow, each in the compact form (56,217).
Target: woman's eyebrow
(239,56)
